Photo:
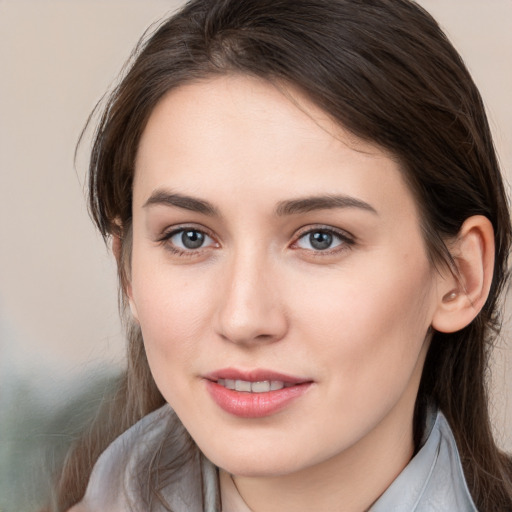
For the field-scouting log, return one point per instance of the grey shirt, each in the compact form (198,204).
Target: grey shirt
(433,481)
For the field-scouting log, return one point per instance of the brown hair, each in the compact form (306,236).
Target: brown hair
(385,71)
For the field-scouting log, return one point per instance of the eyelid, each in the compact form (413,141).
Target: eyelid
(346,238)
(171,231)
(176,228)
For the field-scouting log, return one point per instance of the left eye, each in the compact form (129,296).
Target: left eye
(190,239)
(320,240)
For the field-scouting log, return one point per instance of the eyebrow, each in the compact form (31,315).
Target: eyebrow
(166,198)
(329,202)
(288,207)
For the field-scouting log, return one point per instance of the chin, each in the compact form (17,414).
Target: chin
(257,460)
(257,469)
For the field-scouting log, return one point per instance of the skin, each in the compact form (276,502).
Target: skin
(353,318)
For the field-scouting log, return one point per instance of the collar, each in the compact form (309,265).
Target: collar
(433,481)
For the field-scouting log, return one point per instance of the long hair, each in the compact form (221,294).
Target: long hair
(385,71)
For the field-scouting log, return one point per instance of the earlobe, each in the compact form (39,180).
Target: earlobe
(129,294)
(463,293)
(117,248)
(133,308)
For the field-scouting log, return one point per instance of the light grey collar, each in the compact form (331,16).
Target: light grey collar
(432,482)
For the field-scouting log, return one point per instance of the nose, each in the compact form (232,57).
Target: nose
(250,308)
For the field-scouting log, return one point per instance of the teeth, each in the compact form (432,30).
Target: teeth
(260,387)
(242,385)
(253,387)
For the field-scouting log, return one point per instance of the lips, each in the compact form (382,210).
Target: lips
(256,393)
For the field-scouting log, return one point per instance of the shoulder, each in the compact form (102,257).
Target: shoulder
(119,480)
(112,484)
(433,481)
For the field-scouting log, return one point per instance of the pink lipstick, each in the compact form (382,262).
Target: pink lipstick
(255,393)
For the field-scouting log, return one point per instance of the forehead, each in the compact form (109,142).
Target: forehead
(218,103)
(234,132)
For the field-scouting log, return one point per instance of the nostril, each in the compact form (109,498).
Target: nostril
(249,310)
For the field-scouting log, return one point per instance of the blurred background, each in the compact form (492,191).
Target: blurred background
(61,343)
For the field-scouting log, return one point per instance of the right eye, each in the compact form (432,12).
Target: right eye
(187,240)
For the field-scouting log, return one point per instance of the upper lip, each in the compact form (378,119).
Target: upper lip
(255,375)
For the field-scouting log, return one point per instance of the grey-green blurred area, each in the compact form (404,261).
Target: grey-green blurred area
(38,424)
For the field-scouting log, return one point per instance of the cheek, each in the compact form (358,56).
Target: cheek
(369,325)
(173,309)
(363,298)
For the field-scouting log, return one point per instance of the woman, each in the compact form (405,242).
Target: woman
(311,234)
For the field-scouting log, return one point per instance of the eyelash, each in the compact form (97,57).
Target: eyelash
(345,240)
(165,240)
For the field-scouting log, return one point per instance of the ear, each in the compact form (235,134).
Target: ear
(117,250)
(133,307)
(462,294)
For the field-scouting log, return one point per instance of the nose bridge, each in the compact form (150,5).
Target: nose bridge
(250,308)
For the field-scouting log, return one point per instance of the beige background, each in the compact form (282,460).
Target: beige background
(58,312)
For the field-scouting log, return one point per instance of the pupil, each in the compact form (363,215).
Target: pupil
(320,240)
(192,239)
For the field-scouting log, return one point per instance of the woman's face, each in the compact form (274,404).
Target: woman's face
(278,254)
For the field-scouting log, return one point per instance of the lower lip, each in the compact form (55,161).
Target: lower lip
(254,405)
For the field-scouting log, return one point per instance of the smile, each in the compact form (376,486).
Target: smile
(256,393)
(253,387)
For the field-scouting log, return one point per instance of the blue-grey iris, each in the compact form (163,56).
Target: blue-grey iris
(320,240)
(192,239)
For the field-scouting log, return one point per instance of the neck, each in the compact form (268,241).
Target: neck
(351,481)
